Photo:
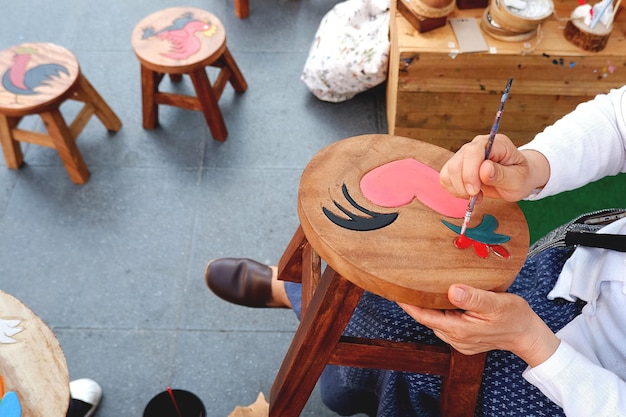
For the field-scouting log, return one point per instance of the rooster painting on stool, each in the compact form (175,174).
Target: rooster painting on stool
(19,79)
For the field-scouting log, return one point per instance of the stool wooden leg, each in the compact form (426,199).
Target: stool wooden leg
(65,145)
(149,89)
(208,103)
(102,110)
(12,149)
(242,8)
(176,78)
(236,77)
(460,388)
(319,331)
(290,263)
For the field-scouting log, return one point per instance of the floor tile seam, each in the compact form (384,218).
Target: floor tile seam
(165,330)
(272,168)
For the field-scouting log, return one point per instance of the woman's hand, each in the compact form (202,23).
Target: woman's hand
(508,174)
(487,321)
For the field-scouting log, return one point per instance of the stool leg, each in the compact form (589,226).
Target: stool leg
(208,104)
(149,89)
(460,388)
(242,8)
(65,144)
(236,78)
(290,263)
(106,115)
(12,149)
(176,78)
(318,333)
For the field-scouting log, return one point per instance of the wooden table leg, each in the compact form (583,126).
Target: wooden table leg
(319,332)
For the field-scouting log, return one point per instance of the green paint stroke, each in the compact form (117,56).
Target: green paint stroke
(485,232)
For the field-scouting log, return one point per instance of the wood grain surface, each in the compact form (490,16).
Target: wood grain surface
(413,260)
(34,366)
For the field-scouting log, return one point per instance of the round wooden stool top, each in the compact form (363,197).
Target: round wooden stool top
(178,40)
(35,76)
(403,253)
(33,364)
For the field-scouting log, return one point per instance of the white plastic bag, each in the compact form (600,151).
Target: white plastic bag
(350,52)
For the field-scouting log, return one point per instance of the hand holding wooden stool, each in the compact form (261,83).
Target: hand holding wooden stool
(403,253)
(178,41)
(36,79)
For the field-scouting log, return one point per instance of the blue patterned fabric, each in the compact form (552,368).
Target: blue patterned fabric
(383,393)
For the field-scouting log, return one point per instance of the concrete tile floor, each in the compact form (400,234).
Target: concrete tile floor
(115,266)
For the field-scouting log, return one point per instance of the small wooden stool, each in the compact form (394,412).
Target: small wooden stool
(185,40)
(33,365)
(404,254)
(36,79)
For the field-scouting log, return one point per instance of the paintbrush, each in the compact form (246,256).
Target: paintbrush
(492,137)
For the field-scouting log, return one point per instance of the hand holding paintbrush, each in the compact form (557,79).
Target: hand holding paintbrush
(492,137)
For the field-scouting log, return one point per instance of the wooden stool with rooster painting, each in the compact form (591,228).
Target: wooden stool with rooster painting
(178,41)
(372,209)
(36,79)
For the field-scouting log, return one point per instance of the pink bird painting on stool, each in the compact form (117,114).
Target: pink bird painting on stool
(19,79)
(181,35)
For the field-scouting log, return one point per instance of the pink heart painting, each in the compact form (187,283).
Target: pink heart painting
(397,183)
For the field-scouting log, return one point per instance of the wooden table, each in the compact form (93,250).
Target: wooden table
(34,365)
(438,95)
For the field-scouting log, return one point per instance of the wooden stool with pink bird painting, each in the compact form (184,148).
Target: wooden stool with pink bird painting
(179,41)
(36,79)
(371,207)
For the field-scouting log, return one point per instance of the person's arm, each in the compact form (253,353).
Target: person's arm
(585,145)
(595,391)
(582,147)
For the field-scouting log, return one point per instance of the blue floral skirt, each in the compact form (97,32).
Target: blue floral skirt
(384,393)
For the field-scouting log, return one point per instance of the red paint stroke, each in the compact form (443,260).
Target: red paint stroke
(481,249)
(397,183)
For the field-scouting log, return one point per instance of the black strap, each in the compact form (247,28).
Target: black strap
(596,240)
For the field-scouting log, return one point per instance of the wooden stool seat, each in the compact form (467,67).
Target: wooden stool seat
(402,252)
(33,364)
(36,79)
(185,40)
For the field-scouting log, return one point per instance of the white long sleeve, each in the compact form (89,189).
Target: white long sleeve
(586,375)
(568,368)
(585,145)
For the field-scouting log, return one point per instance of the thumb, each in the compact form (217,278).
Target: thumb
(507,180)
(468,298)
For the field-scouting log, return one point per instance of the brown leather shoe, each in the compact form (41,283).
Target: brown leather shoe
(240,281)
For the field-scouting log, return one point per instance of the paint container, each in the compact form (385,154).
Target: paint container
(579,33)
(432,8)
(515,20)
(162,405)
(495,30)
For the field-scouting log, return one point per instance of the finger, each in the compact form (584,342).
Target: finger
(473,157)
(471,299)
(450,176)
(428,317)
